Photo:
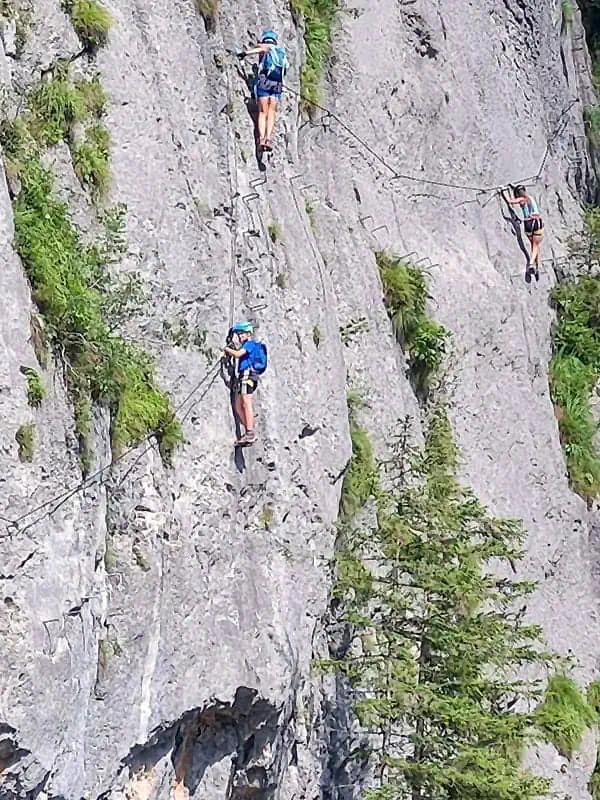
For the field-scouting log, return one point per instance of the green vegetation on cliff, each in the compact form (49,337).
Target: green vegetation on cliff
(71,285)
(575,365)
(406,295)
(438,643)
(319,17)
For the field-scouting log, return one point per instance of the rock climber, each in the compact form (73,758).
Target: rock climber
(268,87)
(252,362)
(532,224)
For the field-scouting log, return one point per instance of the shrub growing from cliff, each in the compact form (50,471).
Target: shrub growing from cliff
(437,637)
(319,17)
(405,294)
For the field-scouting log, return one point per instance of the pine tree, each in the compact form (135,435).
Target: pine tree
(439,641)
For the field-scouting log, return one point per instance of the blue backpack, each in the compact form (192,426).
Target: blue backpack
(259,359)
(274,63)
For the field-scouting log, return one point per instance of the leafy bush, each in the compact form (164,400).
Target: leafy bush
(574,371)
(63,274)
(565,715)
(35,387)
(319,17)
(25,437)
(405,293)
(91,160)
(91,22)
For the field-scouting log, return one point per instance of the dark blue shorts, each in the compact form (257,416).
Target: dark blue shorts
(268,88)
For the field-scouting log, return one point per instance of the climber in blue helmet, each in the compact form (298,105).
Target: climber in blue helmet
(252,362)
(272,64)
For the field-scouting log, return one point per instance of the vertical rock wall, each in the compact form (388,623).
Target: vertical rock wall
(158,627)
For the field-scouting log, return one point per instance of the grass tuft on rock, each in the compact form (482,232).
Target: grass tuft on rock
(93,95)
(55,106)
(319,18)
(64,275)
(360,479)
(574,372)
(35,387)
(91,22)
(406,295)
(565,715)
(91,160)
(208,10)
(25,438)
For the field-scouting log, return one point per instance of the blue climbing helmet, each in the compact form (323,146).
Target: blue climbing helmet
(273,63)
(242,327)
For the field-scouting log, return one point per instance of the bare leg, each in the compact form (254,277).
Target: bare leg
(247,411)
(239,409)
(272,111)
(535,250)
(263,112)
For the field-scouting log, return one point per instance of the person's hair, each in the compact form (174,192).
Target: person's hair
(520,191)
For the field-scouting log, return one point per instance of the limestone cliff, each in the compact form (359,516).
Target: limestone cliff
(158,624)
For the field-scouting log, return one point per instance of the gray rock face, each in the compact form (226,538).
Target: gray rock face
(158,627)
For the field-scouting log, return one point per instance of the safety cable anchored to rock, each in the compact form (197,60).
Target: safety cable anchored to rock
(50,506)
(558,129)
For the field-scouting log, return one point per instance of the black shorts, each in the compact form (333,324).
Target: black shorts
(247,383)
(534,227)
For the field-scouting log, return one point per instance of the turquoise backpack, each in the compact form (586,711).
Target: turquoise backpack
(274,63)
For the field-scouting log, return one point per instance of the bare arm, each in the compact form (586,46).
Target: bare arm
(255,51)
(512,201)
(230,351)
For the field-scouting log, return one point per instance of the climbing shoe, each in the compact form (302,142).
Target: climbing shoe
(247,439)
(268,146)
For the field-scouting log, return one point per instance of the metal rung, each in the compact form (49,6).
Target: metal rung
(259,307)
(257,182)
